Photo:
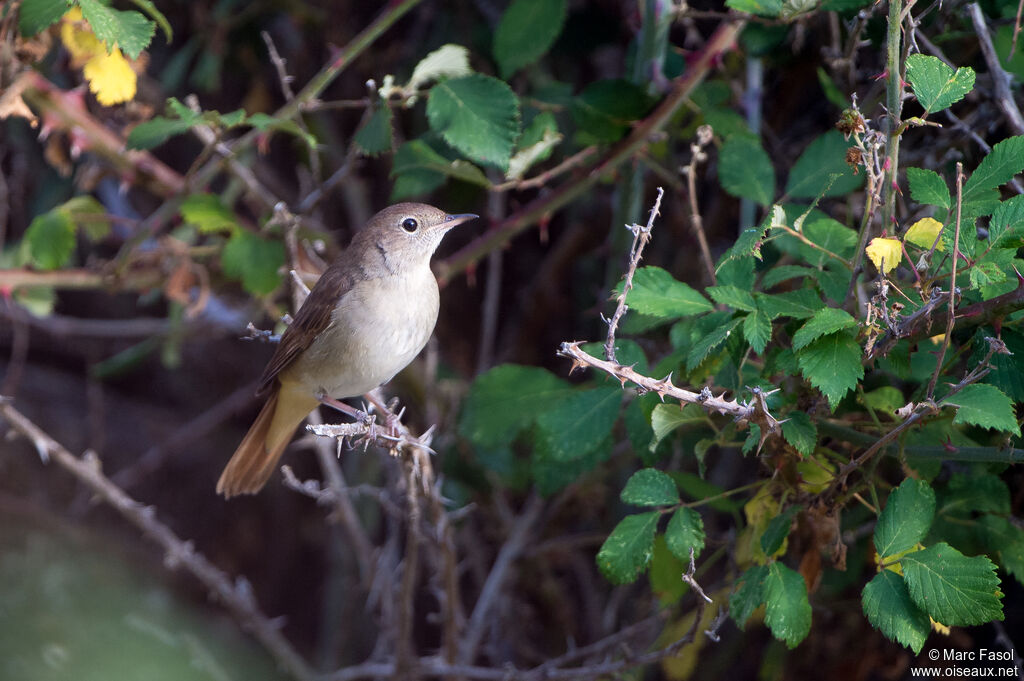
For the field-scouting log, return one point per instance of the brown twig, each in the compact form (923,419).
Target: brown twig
(236,596)
(641,235)
(704,137)
(1000,78)
(951,317)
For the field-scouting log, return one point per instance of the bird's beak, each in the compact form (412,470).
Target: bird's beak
(457,219)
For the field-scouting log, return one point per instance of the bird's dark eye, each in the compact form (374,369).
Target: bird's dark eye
(410,225)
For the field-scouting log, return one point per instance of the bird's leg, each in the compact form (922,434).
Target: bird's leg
(392,421)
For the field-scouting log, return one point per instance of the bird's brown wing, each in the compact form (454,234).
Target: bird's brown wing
(312,318)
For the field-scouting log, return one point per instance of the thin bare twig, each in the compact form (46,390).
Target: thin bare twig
(237,596)
(704,137)
(641,235)
(951,319)
(1000,78)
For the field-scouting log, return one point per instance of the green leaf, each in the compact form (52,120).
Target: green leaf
(1005,541)
(207,213)
(829,234)
(799,304)
(886,399)
(527,30)
(781,273)
(935,84)
(655,292)
(703,347)
(757,330)
(536,144)
(822,170)
(156,131)
(824,322)
(1005,160)
(375,137)
(832,365)
(265,123)
(51,239)
(685,531)
(667,417)
(928,187)
(36,15)
(952,588)
(131,30)
(664,574)
(578,423)
(778,530)
(627,550)
(506,400)
(993,267)
(478,115)
(749,594)
(787,610)
(88,215)
(605,109)
(749,242)
(156,15)
(254,260)
(986,406)
(889,608)
(746,171)
(733,296)
(764,8)
(415,169)
(447,61)
(984,492)
(799,430)
(1008,374)
(1006,228)
(906,518)
(650,487)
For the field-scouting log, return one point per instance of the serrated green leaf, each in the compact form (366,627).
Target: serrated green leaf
(527,30)
(156,15)
(656,292)
(506,400)
(551,474)
(993,267)
(1006,228)
(777,530)
(650,487)
(928,187)
(415,170)
(830,235)
(447,61)
(748,595)
(538,140)
(685,531)
(906,518)
(36,15)
(1008,371)
(1005,542)
(208,214)
(627,550)
(664,574)
(667,417)
(1004,161)
(732,296)
(935,84)
(986,406)
(375,137)
(130,30)
(799,304)
(579,422)
(254,260)
(757,330)
(832,365)
(748,244)
(745,170)
(51,239)
(781,273)
(703,347)
(822,170)
(952,588)
(886,399)
(825,321)
(799,430)
(787,611)
(982,493)
(605,109)
(88,215)
(478,115)
(886,602)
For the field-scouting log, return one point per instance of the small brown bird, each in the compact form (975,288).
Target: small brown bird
(369,315)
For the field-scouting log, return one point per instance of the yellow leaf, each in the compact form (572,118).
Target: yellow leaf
(923,232)
(885,253)
(80,41)
(110,77)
